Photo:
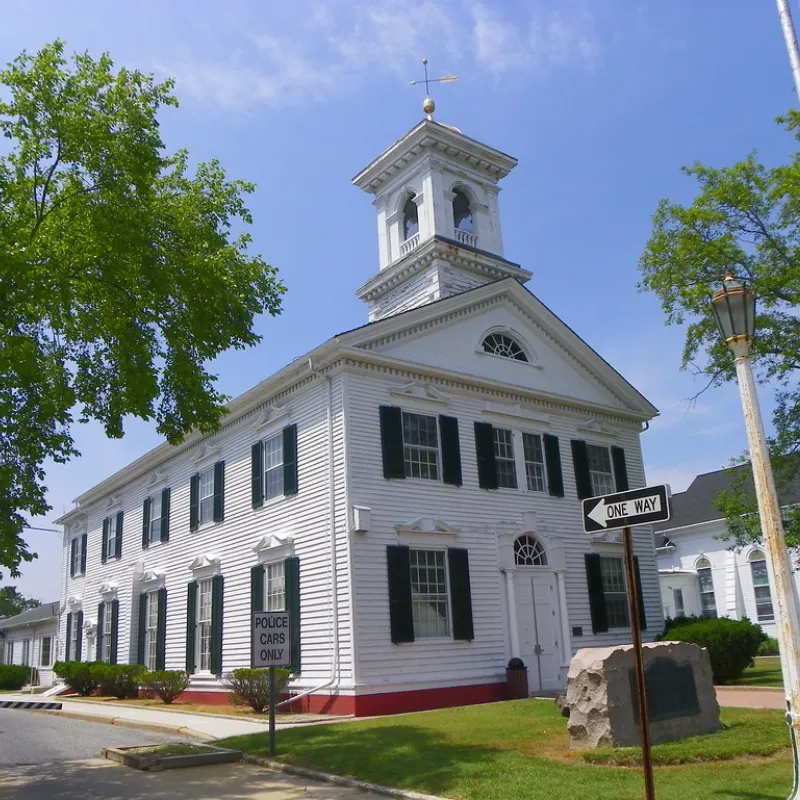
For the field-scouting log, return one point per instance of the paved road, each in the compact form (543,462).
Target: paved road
(28,737)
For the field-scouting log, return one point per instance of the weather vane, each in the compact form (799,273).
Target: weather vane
(428,106)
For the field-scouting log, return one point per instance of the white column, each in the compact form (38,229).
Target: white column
(511,599)
(384,258)
(566,633)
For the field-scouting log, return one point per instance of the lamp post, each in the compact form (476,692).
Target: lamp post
(734,309)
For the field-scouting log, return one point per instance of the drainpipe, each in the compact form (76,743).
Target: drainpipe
(333,570)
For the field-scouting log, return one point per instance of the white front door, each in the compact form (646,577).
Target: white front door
(537,617)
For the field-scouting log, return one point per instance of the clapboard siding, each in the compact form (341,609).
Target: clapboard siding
(478,515)
(306,516)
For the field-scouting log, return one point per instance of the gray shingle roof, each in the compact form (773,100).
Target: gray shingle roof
(43,612)
(698,502)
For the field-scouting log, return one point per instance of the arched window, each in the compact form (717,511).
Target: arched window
(707,601)
(758,569)
(528,552)
(501,344)
(410,218)
(462,216)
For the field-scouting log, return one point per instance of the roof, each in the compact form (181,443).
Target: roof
(41,613)
(699,502)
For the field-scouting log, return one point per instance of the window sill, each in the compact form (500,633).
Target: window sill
(155,543)
(517,490)
(206,525)
(271,502)
(429,640)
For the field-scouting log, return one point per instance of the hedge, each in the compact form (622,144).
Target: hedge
(14,677)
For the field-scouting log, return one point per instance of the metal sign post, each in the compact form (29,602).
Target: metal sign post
(271,646)
(638,659)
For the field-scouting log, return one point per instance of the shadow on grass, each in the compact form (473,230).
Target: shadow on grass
(403,756)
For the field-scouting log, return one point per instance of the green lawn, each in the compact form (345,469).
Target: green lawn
(764,672)
(520,750)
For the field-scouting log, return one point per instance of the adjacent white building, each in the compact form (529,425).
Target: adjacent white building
(702,573)
(29,639)
(409,490)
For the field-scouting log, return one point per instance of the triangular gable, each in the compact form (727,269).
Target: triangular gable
(448,334)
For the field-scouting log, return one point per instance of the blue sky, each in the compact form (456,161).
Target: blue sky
(601,102)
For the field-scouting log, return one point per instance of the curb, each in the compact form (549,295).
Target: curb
(123,722)
(350,783)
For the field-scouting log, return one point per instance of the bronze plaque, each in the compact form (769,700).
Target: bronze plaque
(671,690)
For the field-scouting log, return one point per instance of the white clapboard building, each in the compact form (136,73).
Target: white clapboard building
(409,490)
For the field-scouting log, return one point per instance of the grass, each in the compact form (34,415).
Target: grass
(521,749)
(764,672)
(164,750)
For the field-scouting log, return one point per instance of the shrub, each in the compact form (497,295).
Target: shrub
(250,687)
(13,677)
(118,680)
(731,644)
(77,675)
(769,647)
(670,623)
(167,684)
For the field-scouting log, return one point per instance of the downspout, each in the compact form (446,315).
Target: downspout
(333,571)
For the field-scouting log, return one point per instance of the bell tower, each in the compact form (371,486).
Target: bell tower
(439,231)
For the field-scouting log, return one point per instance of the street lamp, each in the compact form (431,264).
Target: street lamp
(734,307)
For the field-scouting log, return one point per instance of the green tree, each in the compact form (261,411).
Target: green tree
(746,220)
(122,271)
(13,603)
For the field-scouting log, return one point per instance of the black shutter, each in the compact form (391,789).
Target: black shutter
(580,463)
(291,568)
(161,630)
(484,451)
(73,549)
(84,541)
(114,629)
(290,460)
(140,654)
(165,497)
(257,474)
(99,637)
(118,552)
(146,523)
(67,655)
(552,460)
(451,450)
(597,600)
(219,491)
(215,656)
(620,469)
(191,622)
(460,594)
(639,594)
(104,551)
(392,442)
(401,617)
(257,588)
(79,637)
(194,502)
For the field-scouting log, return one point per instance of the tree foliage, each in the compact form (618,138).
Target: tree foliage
(123,271)
(13,603)
(745,219)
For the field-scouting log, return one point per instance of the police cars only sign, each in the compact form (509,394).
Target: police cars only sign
(271,639)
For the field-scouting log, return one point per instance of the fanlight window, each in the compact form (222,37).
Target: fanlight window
(501,344)
(462,216)
(528,552)
(410,218)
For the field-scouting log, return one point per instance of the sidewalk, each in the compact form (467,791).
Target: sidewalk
(750,697)
(201,726)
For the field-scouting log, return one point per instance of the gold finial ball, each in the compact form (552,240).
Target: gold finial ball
(428,106)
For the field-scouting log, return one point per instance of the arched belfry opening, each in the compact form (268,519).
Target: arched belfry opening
(462,212)
(410,218)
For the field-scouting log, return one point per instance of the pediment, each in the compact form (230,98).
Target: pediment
(152,576)
(596,426)
(108,590)
(206,452)
(425,525)
(205,561)
(75,601)
(155,478)
(420,391)
(271,414)
(274,540)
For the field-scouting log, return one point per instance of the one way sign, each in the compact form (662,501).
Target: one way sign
(625,509)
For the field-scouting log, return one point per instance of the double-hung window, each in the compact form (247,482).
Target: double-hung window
(108,619)
(275,586)
(504,458)
(203,630)
(78,555)
(151,631)
(600,469)
(273,466)
(758,570)
(206,496)
(74,638)
(111,538)
(45,651)
(429,597)
(615,593)
(708,601)
(421,446)
(534,462)
(156,512)
(26,652)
